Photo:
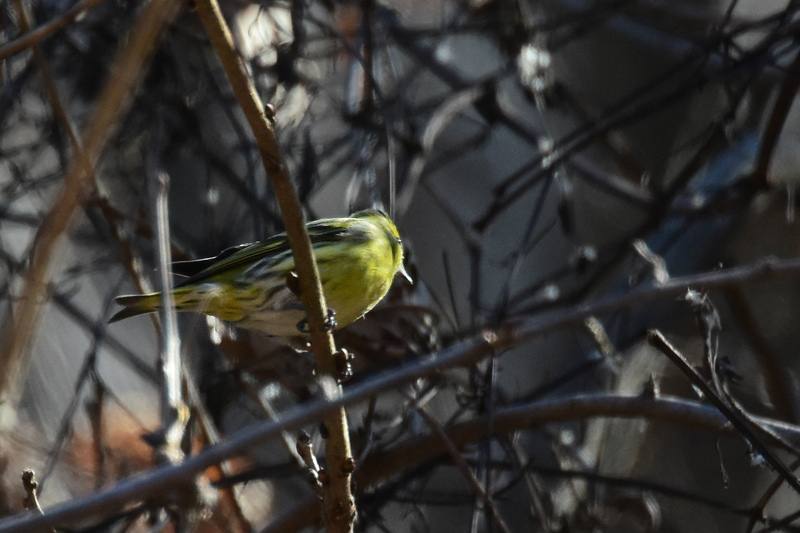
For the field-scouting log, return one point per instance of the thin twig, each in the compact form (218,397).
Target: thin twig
(59,111)
(761,505)
(649,99)
(742,425)
(63,119)
(536,492)
(114,218)
(94,410)
(462,465)
(48,28)
(174,413)
(288,442)
(763,269)
(167,478)
(88,324)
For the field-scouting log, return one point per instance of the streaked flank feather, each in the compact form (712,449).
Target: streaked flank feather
(357,256)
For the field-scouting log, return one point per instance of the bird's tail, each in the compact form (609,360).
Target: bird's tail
(137,304)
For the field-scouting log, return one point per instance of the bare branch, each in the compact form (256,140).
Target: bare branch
(339,504)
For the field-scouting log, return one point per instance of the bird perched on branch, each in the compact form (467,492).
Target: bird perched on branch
(251,285)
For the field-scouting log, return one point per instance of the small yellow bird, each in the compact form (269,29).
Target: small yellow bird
(357,257)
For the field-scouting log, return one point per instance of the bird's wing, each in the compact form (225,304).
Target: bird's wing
(187,269)
(246,255)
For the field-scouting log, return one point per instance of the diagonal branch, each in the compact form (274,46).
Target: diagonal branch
(338,500)
(742,425)
(30,38)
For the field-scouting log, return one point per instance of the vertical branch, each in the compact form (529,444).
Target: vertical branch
(113,102)
(338,499)
(94,410)
(174,413)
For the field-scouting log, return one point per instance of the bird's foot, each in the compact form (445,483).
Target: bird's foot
(330,320)
(329,324)
(344,369)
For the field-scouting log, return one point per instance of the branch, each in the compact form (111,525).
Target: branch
(742,425)
(174,412)
(338,501)
(462,465)
(761,270)
(46,29)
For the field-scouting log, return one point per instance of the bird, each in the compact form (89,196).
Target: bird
(250,285)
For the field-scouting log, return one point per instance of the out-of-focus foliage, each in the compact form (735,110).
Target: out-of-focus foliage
(539,155)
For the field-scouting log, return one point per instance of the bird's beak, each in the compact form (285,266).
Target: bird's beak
(402,270)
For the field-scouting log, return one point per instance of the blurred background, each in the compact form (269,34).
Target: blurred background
(537,155)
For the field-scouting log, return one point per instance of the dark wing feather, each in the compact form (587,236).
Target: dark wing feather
(191,268)
(245,255)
